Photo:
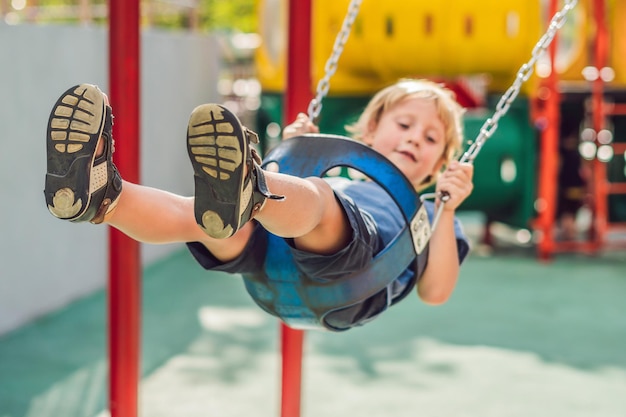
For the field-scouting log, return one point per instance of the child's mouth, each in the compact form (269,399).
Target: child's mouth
(408,155)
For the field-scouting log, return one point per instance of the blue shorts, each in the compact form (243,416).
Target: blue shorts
(365,243)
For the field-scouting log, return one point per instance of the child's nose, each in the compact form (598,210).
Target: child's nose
(413,137)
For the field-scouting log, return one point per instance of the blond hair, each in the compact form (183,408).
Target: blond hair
(449,111)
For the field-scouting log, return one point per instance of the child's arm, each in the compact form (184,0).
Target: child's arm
(439,278)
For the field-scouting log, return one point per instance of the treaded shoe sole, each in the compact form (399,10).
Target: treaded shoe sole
(217,147)
(74,126)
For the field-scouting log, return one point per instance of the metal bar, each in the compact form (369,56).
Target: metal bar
(575,246)
(297,97)
(292,341)
(619,227)
(615,109)
(617,188)
(590,248)
(548,164)
(124,255)
(599,176)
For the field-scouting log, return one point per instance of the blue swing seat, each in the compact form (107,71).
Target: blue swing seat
(301,301)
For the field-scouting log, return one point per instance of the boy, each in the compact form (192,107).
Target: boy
(331,232)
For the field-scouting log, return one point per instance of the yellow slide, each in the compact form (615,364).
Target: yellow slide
(398,38)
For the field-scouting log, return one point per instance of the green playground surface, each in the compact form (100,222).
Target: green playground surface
(518,338)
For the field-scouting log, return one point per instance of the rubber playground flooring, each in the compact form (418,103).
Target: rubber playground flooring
(518,338)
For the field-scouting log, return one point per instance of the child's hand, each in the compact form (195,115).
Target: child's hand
(456,181)
(301,126)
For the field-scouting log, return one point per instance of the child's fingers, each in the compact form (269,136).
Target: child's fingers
(464,171)
(457,184)
(312,128)
(300,126)
(466,168)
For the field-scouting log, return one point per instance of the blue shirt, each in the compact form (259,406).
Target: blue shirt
(373,200)
(375,204)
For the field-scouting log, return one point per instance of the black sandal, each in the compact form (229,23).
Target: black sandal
(80,187)
(219,150)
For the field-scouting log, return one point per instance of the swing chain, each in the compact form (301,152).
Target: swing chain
(315,106)
(524,73)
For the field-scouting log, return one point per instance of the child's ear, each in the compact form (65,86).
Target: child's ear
(368,135)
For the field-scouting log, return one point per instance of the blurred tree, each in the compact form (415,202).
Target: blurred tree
(227,15)
(204,15)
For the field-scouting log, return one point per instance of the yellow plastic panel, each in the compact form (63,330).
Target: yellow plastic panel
(410,35)
(618,40)
(384,43)
(270,57)
(573,49)
(398,38)
(576,41)
(355,73)
(490,36)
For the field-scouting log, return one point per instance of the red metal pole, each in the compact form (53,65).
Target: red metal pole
(599,176)
(297,97)
(549,152)
(124,255)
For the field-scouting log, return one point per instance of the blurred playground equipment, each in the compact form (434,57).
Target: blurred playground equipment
(476,48)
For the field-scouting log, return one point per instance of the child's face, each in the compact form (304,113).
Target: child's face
(412,136)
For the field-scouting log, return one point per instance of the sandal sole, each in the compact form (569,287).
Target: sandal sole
(217,147)
(74,126)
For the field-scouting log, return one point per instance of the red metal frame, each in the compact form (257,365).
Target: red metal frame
(548,148)
(602,187)
(124,253)
(297,97)
(598,185)
(599,177)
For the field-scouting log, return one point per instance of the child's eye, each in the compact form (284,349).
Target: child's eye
(403,126)
(431,139)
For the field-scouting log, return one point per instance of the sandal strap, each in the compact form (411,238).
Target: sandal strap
(255,189)
(111,192)
(105,197)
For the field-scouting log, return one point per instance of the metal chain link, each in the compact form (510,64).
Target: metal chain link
(315,106)
(490,125)
(524,73)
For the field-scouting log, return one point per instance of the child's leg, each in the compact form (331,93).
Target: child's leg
(150,215)
(310,213)
(83,184)
(231,188)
